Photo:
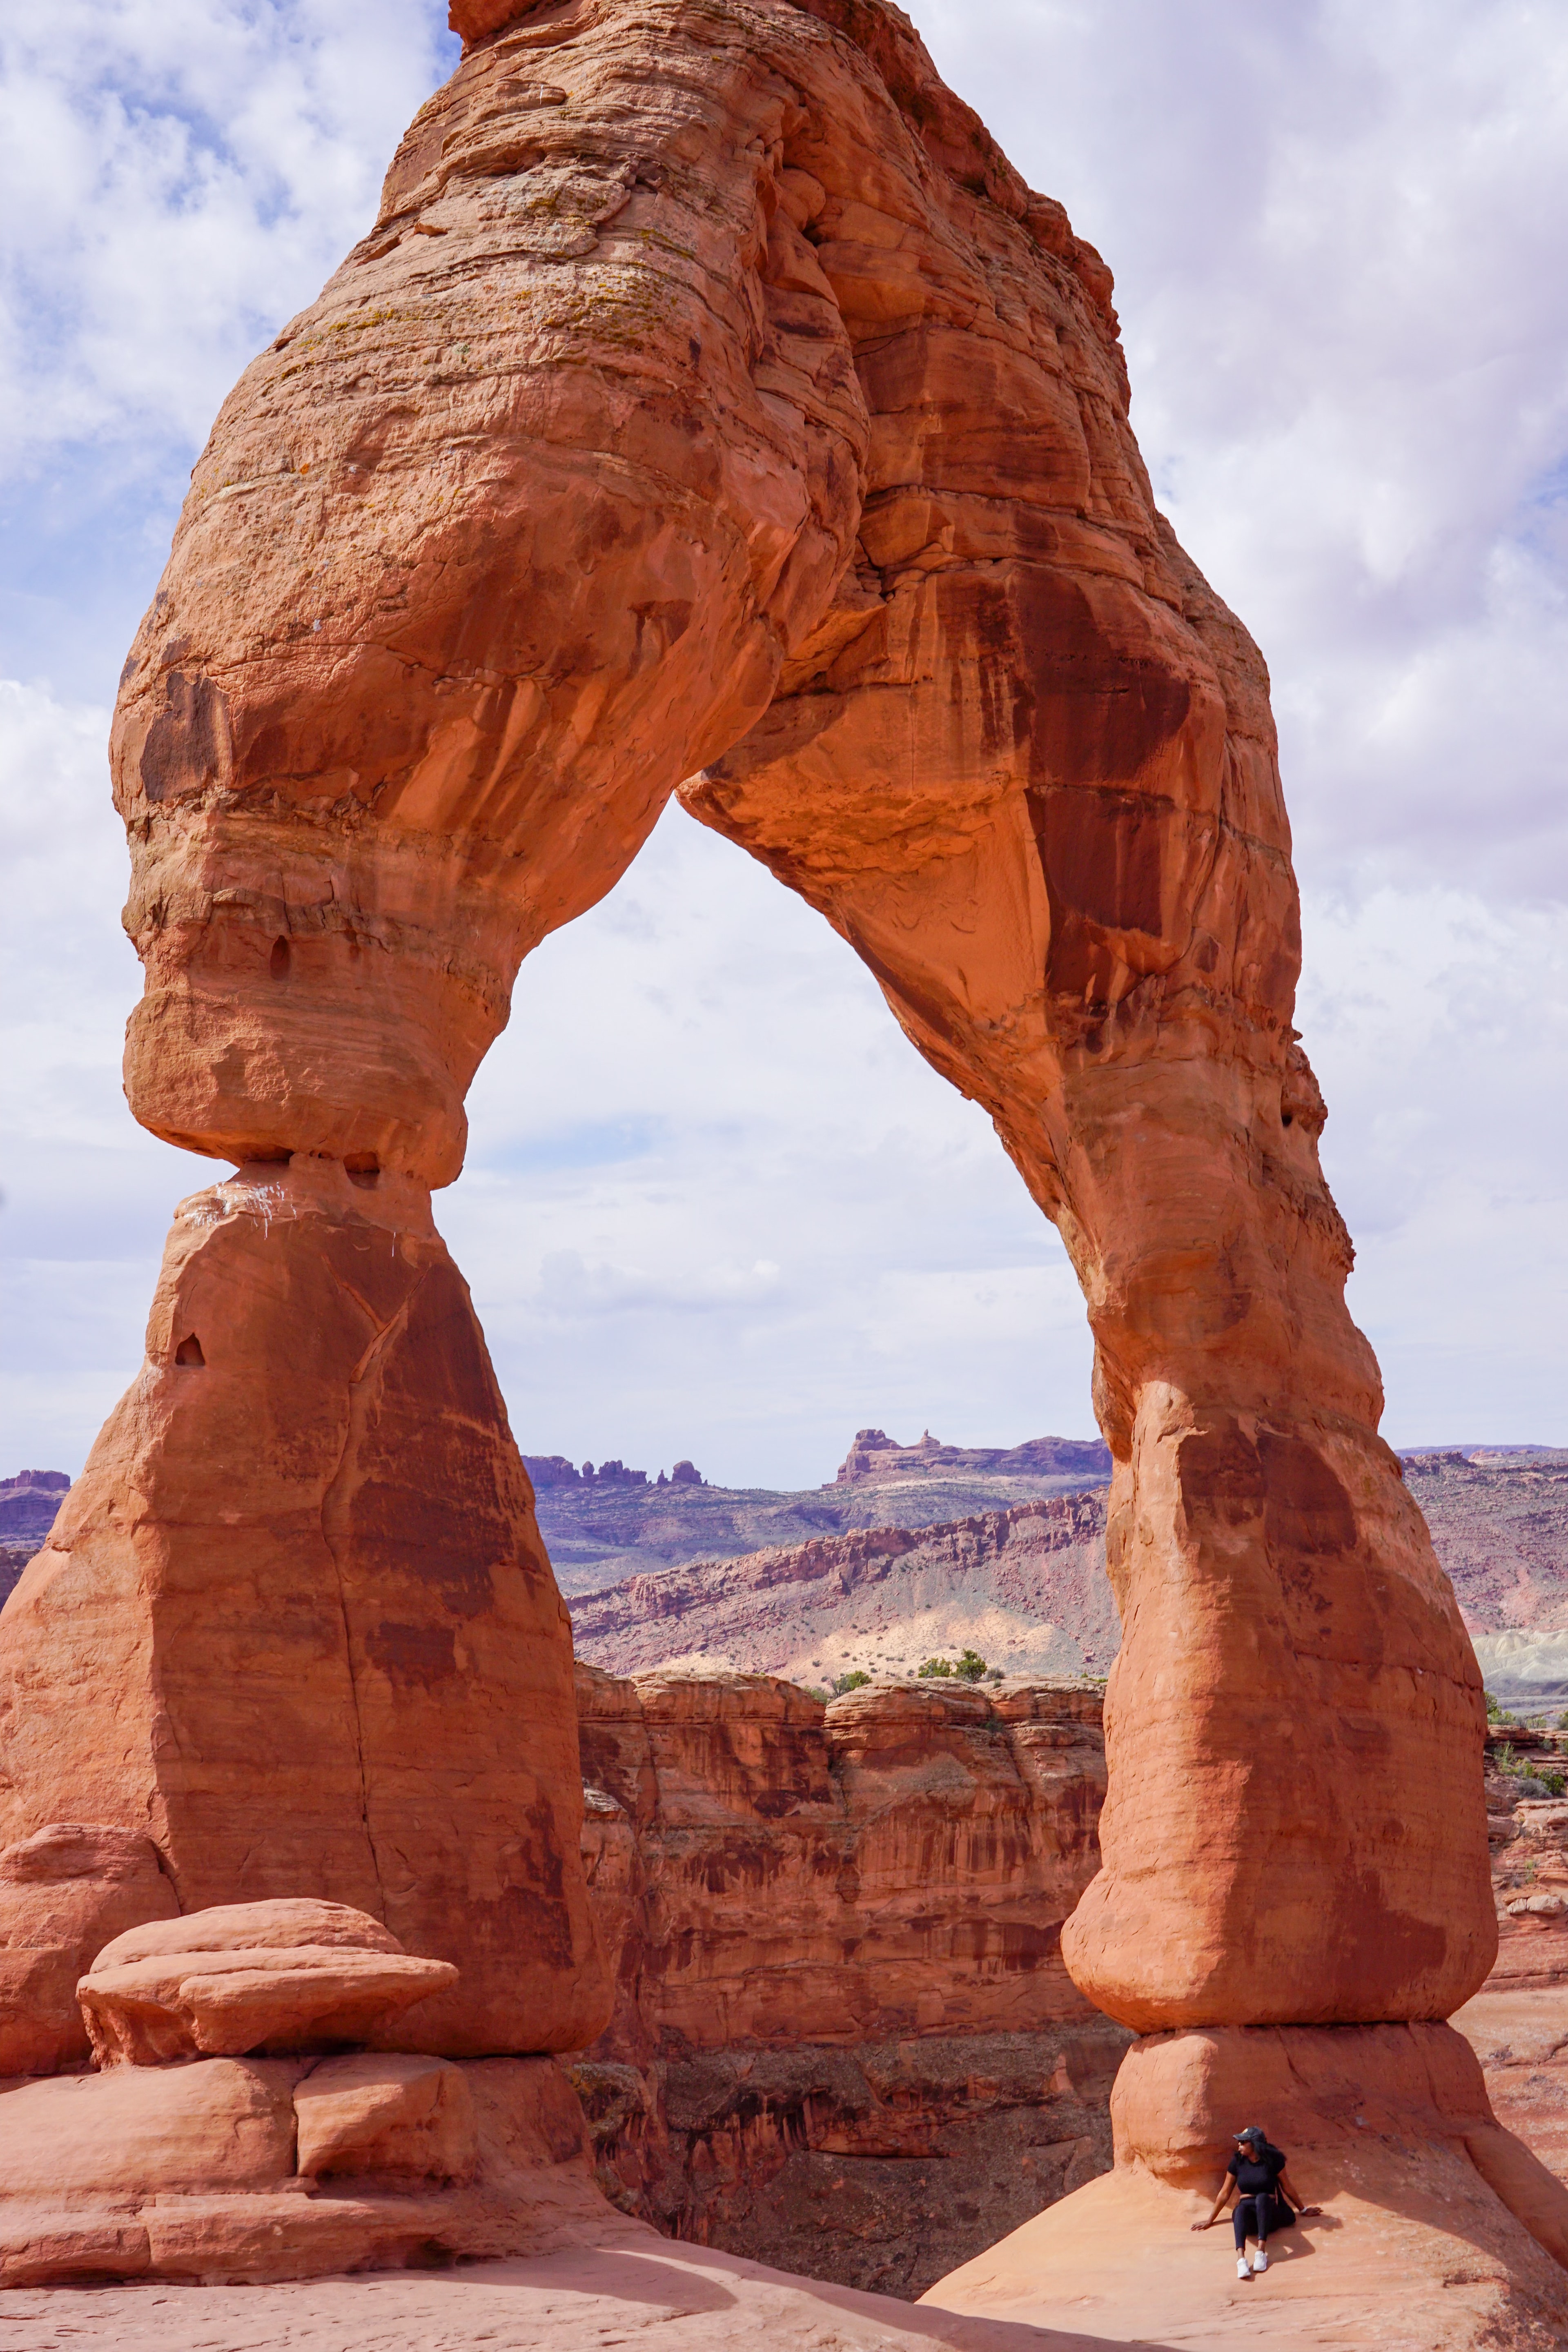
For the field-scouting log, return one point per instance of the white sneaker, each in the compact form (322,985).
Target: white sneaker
(1241,2270)
(1261,2259)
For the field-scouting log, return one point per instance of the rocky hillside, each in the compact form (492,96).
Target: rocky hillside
(814,1582)
(1026,1586)
(1500,1522)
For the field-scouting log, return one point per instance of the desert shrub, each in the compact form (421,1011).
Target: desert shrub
(854,1680)
(1496,1711)
(1506,1762)
(1553,1783)
(971,1667)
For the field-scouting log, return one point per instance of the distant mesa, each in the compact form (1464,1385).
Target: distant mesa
(555,1470)
(875,1454)
(29,1503)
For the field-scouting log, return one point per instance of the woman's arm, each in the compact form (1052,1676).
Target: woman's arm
(1286,2189)
(1225,2186)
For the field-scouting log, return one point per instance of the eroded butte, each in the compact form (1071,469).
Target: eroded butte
(713,406)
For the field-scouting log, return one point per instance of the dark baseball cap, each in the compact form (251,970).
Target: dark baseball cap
(1249,2131)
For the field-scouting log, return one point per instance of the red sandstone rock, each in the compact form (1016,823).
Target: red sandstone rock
(64,1893)
(744,413)
(897,1863)
(750,415)
(223,2124)
(271,1977)
(1387,2127)
(383,2114)
(188,2171)
(295,1619)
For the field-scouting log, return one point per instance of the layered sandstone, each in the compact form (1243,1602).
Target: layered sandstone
(294,1622)
(743,412)
(843,2041)
(1026,1586)
(712,402)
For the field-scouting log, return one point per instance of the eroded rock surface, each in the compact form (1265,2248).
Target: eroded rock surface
(295,1621)
(712,402)
(251,1976)
(64,1891)
(844,2042)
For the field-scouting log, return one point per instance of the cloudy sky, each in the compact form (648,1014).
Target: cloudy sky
(714,1203)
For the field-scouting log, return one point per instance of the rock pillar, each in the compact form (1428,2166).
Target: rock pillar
(295,1622)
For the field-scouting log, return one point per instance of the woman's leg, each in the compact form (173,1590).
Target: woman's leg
(1243,2220)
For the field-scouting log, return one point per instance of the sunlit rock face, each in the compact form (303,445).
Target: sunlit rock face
(713,405)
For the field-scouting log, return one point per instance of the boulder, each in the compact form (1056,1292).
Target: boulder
(270,1977)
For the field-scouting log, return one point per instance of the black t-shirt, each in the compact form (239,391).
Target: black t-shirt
(1257,2175)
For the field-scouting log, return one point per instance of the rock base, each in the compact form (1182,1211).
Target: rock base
(189,2172)
(1440,2231)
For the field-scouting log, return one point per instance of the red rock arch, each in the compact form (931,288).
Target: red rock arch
(713,406)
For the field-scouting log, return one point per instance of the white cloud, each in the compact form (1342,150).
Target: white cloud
(715,1204)
(179,176)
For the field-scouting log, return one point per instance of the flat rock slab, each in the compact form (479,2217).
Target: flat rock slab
(633,2288)
(1412,2255)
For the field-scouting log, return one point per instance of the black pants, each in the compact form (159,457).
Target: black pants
(1254,2217)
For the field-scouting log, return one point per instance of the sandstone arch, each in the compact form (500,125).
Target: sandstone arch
(714,407)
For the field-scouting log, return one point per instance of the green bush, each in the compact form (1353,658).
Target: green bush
(1495,1713)
(1553,1783)
(971,1668)
(854,1680)
(1505,1761)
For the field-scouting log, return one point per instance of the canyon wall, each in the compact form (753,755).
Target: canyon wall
(843,2041)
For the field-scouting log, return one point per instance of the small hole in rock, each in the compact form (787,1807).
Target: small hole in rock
(1285,1117)
(363,1170)
(189,1350)
(280,958)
